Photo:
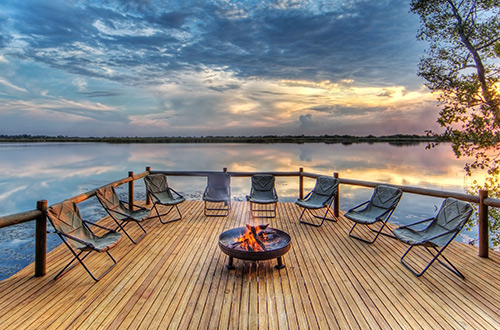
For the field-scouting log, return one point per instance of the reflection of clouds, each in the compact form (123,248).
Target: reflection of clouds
(59,171)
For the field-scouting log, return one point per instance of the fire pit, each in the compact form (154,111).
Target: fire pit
(254,243)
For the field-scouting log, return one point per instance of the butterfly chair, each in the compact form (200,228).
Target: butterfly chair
(439,232)
(263,193)
(217,195)
(378,209)
(320,197)
(119,211)
(77,235)
(161,193)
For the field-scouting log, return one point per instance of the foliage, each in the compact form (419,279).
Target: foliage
(492,185)
(462,66)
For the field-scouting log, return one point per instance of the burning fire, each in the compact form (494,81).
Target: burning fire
(254,239)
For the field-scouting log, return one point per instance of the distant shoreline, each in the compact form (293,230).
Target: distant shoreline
(398,139)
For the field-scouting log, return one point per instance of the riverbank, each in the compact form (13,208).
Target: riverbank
(398,139)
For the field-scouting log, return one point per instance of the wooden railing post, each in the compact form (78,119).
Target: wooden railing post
(336,201)
(483,225)
(131,191)
(41,239)
(301,183)
(148,196)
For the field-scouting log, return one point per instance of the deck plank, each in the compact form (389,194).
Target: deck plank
(176,278)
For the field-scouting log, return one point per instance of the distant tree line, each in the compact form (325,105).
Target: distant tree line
(398,139)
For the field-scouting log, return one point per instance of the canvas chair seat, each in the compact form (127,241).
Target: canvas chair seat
(263,197)
(369,216)
(100,243)
(415,237)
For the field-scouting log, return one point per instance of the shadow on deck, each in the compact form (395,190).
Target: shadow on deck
(175,277)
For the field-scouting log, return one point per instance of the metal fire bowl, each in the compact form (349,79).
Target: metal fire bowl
(227,237)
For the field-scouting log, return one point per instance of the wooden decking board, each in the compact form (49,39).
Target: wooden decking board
(444,286)
(445,302)
(317,283)
(311,283)
(187,270)
(176,277)
(355,303)
(373,292)
(369,249)
(377,279)
(373,316)
(411,303)
(181,265)
(291,271)
(302,278)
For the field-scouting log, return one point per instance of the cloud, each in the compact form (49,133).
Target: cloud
(306,121)
(80,83)
(12,86)
(218,67)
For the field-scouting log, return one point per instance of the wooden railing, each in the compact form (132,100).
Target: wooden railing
(41,222)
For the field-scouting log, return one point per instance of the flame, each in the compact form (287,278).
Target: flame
(252,239)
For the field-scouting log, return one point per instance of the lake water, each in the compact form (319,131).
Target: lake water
(56,171)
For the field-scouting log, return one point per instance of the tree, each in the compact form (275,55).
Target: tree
(462,66)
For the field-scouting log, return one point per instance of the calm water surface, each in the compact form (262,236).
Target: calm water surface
(56,171)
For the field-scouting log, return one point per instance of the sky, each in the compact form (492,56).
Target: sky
(220,67)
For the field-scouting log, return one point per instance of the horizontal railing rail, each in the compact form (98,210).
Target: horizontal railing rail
(38,214)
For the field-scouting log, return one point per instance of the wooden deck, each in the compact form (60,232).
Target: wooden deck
(175,277)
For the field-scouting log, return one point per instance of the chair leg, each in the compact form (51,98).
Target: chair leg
(121,226)
(448,263)
(449,266)
(378,232)
(226,209)
(76,256)
(323,218)
(158,215)
(254,211)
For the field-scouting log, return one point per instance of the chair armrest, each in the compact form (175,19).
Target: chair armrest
(117,212)
(90,245)
(358,206)
(175,192)
(305,197)
(416,223)
(86,222)
(125,202)
(387,212)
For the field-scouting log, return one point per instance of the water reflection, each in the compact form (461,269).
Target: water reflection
(56,171)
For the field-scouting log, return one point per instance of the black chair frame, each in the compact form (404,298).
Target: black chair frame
(323,218)
(378,232)
(438,252)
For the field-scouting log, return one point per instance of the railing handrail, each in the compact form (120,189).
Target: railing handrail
(17,218)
